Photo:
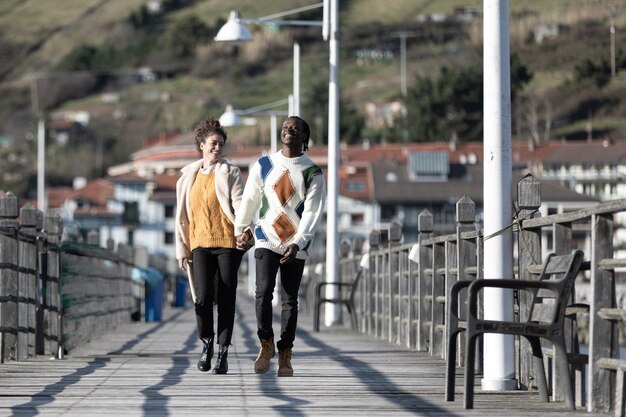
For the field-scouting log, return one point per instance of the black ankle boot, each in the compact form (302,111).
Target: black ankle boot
(204,363)
(221,366)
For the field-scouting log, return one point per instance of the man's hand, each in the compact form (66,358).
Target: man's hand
(290,254)
(243,239)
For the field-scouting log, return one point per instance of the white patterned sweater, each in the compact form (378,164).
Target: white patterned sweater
(290,194)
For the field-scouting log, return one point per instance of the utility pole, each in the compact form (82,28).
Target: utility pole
(612,9)
(41,143)
(403,73)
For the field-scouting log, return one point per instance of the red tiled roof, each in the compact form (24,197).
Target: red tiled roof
(57,195)
(97,192)
(166,182)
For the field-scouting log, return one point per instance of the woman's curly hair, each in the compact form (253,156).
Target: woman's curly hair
(207,127)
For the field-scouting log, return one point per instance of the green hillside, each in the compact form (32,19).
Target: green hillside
(83,55)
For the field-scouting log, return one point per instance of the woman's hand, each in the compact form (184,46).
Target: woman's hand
(182,263)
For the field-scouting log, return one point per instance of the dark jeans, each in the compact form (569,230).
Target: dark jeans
(211,265)
(267,265)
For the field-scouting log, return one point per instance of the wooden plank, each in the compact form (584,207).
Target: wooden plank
(149,369)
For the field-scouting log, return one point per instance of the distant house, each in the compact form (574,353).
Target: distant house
(549,30)
(68,126)
(465,13)
(377,184)
(383,115)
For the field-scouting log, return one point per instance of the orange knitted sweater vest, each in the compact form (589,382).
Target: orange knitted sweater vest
(208,227)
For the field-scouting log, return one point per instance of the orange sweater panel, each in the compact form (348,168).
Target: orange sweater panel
(209,227)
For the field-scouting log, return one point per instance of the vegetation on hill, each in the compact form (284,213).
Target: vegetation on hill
(86,55)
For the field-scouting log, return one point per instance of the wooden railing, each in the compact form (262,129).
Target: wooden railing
(404,294)
(56,295)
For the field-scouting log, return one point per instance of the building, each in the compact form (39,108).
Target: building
(378,184)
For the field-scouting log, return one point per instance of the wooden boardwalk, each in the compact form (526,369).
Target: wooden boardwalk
(149,369)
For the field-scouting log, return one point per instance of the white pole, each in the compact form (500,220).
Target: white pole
(291,104)
(332,224)
(41,165)
(403,64)
(274,127)
(499,372)
(612,48)
(296,79)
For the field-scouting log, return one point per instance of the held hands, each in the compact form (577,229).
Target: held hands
(183,263)
(243,239)
(290,254)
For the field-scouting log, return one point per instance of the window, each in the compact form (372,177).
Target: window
(387,212)
(169,211)
(169,238)
(131,212)
(355,186)
(357,218)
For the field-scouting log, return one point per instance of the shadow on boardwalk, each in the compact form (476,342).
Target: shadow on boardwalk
(149,369)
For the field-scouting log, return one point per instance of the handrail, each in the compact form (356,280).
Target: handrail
(402,297)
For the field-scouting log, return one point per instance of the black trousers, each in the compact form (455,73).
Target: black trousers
(267,266)
(211,265)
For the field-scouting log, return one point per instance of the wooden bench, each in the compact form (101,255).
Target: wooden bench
(557,278)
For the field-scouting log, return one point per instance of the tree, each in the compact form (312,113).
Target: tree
(452,104)
(185,34)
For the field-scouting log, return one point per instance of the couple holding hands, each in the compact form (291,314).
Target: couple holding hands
(215,225)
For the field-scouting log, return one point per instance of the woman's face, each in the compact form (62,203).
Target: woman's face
(212,148)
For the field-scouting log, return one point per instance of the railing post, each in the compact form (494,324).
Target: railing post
(93,237)
(603,335)
(394,234)
(425,227)
(27,281)
(53,225)
(414,301)
(41,286)
(437,289)
(529,253)
(8,276)
(466,255)
(372,284)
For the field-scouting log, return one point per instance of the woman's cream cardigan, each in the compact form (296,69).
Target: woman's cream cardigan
(228,188)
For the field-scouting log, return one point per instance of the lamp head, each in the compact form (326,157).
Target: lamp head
(233,30)
(230,117)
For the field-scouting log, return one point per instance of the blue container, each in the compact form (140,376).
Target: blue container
(154,292)
(181,292)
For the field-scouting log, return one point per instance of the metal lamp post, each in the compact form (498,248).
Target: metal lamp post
(499,371)
(234,31)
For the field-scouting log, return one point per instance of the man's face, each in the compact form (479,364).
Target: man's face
(292,134)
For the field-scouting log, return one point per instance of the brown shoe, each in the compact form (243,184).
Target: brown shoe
(284,363)
(267,352)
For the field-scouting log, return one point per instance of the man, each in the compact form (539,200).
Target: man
(288,188)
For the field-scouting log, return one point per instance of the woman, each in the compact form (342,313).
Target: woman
(207,194)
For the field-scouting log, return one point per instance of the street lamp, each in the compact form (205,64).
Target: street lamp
(235,30)
(232,31)
(233,117)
